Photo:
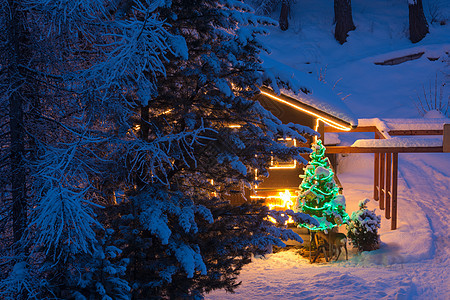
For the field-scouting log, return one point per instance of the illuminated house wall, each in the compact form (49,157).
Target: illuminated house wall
(279,189)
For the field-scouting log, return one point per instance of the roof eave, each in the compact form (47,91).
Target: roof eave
(319,114)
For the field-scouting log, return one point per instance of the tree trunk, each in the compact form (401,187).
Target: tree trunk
(16,81)
(343,18)
(284,15)
(418,26)
(144,130)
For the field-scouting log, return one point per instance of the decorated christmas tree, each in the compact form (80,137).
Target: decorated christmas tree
(319,195)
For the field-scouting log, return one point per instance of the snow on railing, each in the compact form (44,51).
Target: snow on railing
(401,142)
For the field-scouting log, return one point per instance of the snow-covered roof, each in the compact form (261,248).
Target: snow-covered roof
(319,95)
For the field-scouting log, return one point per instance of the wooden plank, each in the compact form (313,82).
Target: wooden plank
(357,129)
(348,149)
(446,140)
(382,180)
(415,132)
(387,214)
(394,190)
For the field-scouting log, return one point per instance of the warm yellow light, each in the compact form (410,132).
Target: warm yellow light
(322,118)
(234,126)
(286,198)
(316,128)
(289,220)
(286,203)
(272,219)
(286,166)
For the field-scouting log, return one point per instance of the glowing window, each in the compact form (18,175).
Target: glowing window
(276,164)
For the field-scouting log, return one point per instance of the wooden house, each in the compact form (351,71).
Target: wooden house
(315,109)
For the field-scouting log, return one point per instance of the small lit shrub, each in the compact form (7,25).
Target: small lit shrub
(363,228)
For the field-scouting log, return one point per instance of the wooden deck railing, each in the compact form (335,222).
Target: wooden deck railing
(385,184)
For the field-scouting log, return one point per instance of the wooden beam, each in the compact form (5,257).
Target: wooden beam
(348,149)
(357,129)
(415,132)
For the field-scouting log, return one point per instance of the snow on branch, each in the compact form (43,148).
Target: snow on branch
(170,215)
(152,160)
(63,215)
(20,280)
(281,217)
(75,13)
(135,55)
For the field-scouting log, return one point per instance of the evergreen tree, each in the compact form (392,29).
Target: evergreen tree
(74,70)
(362,230)
(319,195)
(212,88)
(140,132)
(215,87)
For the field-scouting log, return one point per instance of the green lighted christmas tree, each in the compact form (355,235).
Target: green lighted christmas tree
(319,195)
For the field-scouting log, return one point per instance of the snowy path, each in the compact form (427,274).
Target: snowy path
(413,262)
(428,186)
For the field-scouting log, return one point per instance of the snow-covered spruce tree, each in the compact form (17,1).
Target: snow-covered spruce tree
(238,233)
(319,194)
(363,228)
(107,134)
(215,87)
(212,87)
(74,71)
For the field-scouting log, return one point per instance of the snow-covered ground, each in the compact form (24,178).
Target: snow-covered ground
(414,260)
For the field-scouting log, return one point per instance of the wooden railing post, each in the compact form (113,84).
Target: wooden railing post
(394,190)
(376,168)
(382,179)
(388,185)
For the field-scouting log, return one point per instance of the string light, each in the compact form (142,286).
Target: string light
(319,187)
(320,117)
